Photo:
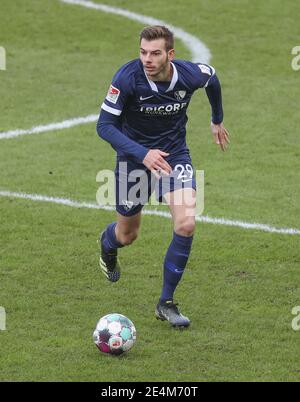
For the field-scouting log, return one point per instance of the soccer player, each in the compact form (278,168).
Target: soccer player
(143,117)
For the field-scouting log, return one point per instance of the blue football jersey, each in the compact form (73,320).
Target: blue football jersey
(153,114)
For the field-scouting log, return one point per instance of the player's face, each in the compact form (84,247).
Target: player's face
(155,58)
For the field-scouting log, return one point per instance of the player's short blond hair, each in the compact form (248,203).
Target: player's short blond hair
(158,32)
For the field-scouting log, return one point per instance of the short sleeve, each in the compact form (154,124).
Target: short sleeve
(206,73)
(198,74)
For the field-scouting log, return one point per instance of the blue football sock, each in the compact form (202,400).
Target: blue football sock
(110,241)
(174,264)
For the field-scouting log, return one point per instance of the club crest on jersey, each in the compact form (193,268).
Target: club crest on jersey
(113,94)
(179,95)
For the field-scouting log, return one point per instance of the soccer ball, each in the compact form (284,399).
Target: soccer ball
(114,334)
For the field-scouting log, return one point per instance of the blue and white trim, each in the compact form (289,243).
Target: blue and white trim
(111,110)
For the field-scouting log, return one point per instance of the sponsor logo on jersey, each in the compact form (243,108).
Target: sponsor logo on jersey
(179,95)
(164,109)
(204,69)
(142,98)
(113,94)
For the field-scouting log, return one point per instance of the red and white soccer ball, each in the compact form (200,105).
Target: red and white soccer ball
(114,334)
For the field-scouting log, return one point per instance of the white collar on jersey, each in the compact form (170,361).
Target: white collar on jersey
(172,83)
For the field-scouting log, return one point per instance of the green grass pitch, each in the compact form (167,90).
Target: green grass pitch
(239,286)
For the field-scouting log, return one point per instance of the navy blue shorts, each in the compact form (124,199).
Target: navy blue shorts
(135,183)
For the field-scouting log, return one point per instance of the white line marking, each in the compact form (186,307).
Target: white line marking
(205,219)
(200,52)
(50,127)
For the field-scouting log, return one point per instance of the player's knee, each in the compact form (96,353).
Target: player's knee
(128,238)
(186,227)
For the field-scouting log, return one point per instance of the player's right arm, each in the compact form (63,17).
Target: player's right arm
(108,129)
(109,122)
(153,159)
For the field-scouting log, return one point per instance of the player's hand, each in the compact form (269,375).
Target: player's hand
(155,162)
(221,135)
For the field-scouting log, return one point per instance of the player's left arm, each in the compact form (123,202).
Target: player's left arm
(214,94)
